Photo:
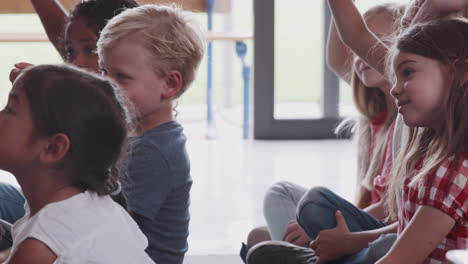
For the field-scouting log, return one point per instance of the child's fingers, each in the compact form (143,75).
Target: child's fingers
(313,244)
(302,240)
(17,70)
(291,237)
(22,65)
(14,74)
(290,227)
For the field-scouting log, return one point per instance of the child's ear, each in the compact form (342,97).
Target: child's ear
(55,149)
(173,84)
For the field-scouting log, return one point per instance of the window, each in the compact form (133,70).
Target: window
(296,95)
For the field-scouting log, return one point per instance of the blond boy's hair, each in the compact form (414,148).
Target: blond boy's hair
(173,39)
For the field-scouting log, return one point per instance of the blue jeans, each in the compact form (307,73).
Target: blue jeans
(280,206)
(316,212)
(11,203)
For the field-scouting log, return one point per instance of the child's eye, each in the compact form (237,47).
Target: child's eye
(121,76)
(69,54)
(407,72)
(90,50)
(102,71)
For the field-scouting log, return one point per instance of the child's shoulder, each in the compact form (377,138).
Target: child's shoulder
(61,225)
(166,138)
(168,129)
(77,212)
(459,167)
(85,225)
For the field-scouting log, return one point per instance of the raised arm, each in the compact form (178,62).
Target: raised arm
(432,9)
(339,56)
(415,244)
(53,16)
(354,33)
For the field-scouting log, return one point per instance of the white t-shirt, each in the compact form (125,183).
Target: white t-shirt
(85,228)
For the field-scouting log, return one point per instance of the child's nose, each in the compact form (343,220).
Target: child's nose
(396,90)
(358,63)
(80,61)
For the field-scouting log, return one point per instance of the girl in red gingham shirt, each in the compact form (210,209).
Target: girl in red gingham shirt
(429,69)
(429,190)
(445,189)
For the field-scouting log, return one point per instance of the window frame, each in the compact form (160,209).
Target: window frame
(265,124)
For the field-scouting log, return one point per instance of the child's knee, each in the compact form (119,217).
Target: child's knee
(315,211)
(317,194)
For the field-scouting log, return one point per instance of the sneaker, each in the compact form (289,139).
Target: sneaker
(243,252)
(280,252)
(257,235)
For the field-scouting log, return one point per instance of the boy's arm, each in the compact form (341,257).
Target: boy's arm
(339,56)
(53,16)
(354,33)
(415,243)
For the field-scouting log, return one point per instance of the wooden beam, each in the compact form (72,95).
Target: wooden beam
(41,37)
(228,36)
(24,6)
(23,37)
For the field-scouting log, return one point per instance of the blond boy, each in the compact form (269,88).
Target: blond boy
(153,52)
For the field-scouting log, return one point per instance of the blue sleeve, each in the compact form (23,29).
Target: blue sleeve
(149,180)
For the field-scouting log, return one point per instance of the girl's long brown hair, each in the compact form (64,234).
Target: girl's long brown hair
(445,41)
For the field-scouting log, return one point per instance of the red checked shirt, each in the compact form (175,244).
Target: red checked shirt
(381,181)
(454,203)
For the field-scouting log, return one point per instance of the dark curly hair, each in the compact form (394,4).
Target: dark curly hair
(96,13)
(90,110)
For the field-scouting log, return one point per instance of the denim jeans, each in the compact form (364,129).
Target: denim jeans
(280,206)
(316,212)
(11,203)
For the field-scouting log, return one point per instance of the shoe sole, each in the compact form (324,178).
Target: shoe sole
(279,252)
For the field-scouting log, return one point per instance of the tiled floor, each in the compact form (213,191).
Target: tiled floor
(231,175)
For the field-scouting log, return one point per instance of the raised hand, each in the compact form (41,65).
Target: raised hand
(17,70)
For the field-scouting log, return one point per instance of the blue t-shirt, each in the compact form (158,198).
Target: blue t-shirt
(158,191)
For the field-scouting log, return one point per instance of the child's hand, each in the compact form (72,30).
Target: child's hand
(447,6)
(17,70)
(295,234)
(333,243)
